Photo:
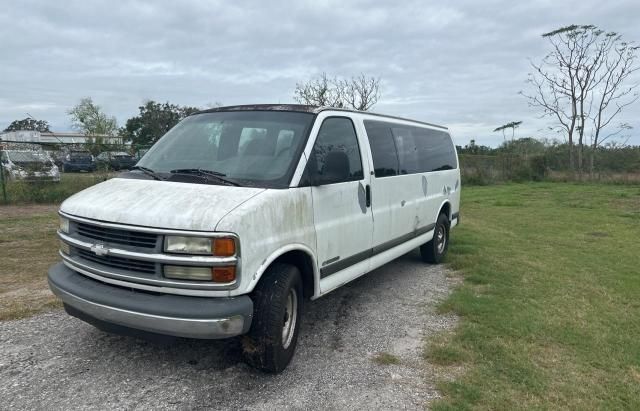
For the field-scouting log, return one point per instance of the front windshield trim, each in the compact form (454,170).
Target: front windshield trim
(282,182)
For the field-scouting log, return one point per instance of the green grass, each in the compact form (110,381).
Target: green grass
(550,303)
(28,246)
(46,192)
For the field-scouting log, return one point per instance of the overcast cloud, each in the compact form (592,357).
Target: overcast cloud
(460,65)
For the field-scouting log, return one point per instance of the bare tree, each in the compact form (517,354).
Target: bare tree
(570,82)
(358,93)
(613,95)
(512,125)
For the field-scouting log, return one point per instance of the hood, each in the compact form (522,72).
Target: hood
(160,204)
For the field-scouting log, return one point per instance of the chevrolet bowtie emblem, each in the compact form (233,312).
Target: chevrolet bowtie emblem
(99,250)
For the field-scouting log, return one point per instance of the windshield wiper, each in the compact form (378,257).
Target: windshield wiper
(208,173)
(148,172)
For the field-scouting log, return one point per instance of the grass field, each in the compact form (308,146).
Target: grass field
(47,192)
(28,246)
(550,303)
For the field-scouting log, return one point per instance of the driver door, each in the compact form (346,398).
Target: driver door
(341,208)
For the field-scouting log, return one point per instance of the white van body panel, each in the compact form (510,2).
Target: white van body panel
(163,204)
(267,224)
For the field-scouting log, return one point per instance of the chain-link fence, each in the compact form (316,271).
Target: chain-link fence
(48,173)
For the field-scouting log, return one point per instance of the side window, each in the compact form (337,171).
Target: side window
(383,148)
(407,150)
(435,148)
(336,155)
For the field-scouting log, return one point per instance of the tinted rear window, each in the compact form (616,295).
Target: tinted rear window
(415,149)
(383,148)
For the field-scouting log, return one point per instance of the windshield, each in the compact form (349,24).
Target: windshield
(256,148)
(27,156)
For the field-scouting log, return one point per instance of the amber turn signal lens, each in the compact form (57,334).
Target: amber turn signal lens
(224,274)
(224,247)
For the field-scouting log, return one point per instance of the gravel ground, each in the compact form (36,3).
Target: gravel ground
(53,361)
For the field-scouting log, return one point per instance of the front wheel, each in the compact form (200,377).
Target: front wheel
(277,312)
(434,251)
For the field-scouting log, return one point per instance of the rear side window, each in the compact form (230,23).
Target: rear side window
(383,148)
(336,156)
(416,149)
(408,153)
(436,149)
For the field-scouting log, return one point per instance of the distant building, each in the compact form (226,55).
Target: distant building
(27,136)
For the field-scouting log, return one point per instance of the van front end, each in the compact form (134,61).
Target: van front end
(123,278)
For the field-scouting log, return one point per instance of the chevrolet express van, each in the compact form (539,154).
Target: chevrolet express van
(239,214)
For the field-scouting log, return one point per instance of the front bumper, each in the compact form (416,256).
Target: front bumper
(164,314)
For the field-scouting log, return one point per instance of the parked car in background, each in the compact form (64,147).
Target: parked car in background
(57,157)
(118,160)
(79,161)
(28,165)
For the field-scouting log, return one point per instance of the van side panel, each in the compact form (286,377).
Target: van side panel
(268,224)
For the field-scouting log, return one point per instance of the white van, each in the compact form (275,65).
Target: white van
(239,214)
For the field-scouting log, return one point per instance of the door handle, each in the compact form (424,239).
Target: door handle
(368,195)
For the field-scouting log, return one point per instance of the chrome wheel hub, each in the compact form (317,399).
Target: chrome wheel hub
(441,239)
(290,318)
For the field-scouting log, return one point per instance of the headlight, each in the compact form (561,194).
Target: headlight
(187,273)
(220,247)
(188,245)
(64,225)
(215,274)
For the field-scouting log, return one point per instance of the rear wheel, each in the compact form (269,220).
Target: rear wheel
(277,309)
(434,251)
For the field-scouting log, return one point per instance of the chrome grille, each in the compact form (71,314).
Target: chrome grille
(117,236)
(145,267)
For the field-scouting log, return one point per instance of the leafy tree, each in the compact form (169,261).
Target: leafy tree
(524,147)
(473,148)
(154,120)
(358,93)
(29,123)
(512,125)
(582,84)
(88,118)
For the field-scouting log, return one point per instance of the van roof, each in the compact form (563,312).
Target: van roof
(305,109)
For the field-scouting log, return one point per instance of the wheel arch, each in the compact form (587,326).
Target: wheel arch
(445,208)
(299,256)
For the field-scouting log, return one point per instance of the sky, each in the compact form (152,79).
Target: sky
(459,63)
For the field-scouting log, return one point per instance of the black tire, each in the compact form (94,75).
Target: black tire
(265,347)
(434,251)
